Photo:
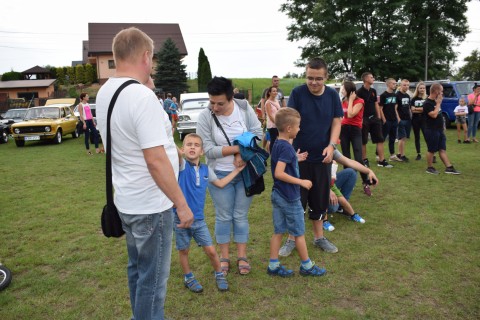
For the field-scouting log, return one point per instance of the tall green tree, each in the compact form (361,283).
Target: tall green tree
(12,75)
(386,37)
(170,73)
(204,73)
(79,74)
(90,74)
(471,69)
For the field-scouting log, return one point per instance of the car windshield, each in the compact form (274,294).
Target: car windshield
(465,88)
(194,104)
(15,114)
(42,113)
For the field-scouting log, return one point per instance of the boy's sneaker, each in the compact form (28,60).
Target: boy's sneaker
(193,285)
(314,271)
(222,283)
(356,217)
(366,163)
(281,271)
(366,190)
(451,170)
(432,170)
(419,157)
(327,226)
(384,164)
(404,158)
(287,248)
(325,245)
(394,157)
(340,210)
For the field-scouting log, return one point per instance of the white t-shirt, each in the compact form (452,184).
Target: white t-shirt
(461,109)
(234,125)
(138,122)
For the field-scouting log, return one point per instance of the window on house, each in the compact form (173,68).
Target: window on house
(111,64)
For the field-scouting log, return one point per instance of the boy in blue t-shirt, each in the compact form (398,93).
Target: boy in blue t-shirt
(288,213)
(193,180)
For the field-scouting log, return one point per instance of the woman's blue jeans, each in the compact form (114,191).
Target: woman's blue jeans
(473,120)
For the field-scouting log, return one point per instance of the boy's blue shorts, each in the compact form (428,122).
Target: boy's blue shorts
(198,231)
(288,216)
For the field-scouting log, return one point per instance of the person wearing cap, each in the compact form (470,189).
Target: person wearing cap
(474,118)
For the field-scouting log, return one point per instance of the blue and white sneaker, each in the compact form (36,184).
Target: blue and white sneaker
(327,226)
(281,271)
(314,271)
(356,217)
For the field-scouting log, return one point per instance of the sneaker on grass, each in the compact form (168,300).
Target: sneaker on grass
(419,157)
(432,170)
(384,164)
(193,285)
(281,271)
(222,283)
(314,271)
(404,158)
(366,163)
(356,217)
(325,245)
(451,170)
(327,226)
(394,157)
(287,248)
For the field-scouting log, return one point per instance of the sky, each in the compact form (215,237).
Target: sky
(242,39)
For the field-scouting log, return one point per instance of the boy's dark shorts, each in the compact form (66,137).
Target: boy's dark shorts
(372,125)
(436,140)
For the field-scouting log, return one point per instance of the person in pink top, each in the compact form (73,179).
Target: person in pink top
(474,118)
(272,106)
(89,126)
(351,133)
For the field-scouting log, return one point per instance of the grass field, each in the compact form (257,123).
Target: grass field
(416,257)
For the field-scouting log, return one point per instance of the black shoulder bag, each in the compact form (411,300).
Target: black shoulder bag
(111,222)
(259,186)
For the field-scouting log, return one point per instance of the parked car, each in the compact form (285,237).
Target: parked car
(4,131)
(14,116)
(452,91)
(50,122)
(191,104)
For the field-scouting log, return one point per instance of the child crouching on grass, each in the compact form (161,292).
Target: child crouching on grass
(193,180)
(288,213)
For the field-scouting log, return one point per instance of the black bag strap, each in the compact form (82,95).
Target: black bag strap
(109,186)
(220,127)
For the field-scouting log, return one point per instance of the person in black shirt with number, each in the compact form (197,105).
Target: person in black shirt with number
(372,120)
(434,135)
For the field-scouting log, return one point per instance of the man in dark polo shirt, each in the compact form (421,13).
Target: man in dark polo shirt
(372,120)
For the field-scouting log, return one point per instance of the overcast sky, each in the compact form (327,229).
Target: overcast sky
(242,39)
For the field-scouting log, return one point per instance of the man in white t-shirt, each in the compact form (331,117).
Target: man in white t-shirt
(144,172)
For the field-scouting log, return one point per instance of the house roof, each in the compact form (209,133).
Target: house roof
(26,83)
(36,70)
(100,35)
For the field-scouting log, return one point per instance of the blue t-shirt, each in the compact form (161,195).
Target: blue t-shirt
(166,105)
(193,181)
(283,151)
(317,114)
(173,108)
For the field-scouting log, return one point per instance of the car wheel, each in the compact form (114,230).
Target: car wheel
(20,143)
(4,138)
(5,277)
(58,137)
(75,133)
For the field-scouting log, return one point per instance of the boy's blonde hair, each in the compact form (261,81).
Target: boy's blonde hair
(129,44)
(193,135)
(286,117)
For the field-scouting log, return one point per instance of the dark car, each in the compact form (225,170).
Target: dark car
(452,92)
(4,131)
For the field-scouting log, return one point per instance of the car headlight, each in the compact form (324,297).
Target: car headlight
(17,130)
(47,129)
(184,118)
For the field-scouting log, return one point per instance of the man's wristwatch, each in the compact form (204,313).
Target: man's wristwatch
(333,145)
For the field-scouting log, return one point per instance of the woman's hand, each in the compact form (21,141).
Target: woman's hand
(238,161)
(352,97)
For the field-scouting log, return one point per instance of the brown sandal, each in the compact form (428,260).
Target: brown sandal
(243,269)
(226,268)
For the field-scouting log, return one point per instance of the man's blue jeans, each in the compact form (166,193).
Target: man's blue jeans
(149,246)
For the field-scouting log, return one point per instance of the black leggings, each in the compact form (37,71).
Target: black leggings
(417,125)
(93,130)
(352,135)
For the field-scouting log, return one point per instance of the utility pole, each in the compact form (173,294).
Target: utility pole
(426,53)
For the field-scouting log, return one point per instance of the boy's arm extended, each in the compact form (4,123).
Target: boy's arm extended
(281,175)
(221,183)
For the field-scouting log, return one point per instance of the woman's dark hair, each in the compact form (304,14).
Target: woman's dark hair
(82,95)
(349,87)
(269,91)
(220,85)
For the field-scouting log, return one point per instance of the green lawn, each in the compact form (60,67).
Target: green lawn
(417,256)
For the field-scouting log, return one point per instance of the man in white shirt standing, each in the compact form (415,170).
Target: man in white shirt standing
(144,172)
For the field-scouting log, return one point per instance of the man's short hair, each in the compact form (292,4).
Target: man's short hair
(130,43)
(390,80)
(435,87)
(365,75)
(169,95)
(220,85)
(193,135)
(317,64)
(286,117)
